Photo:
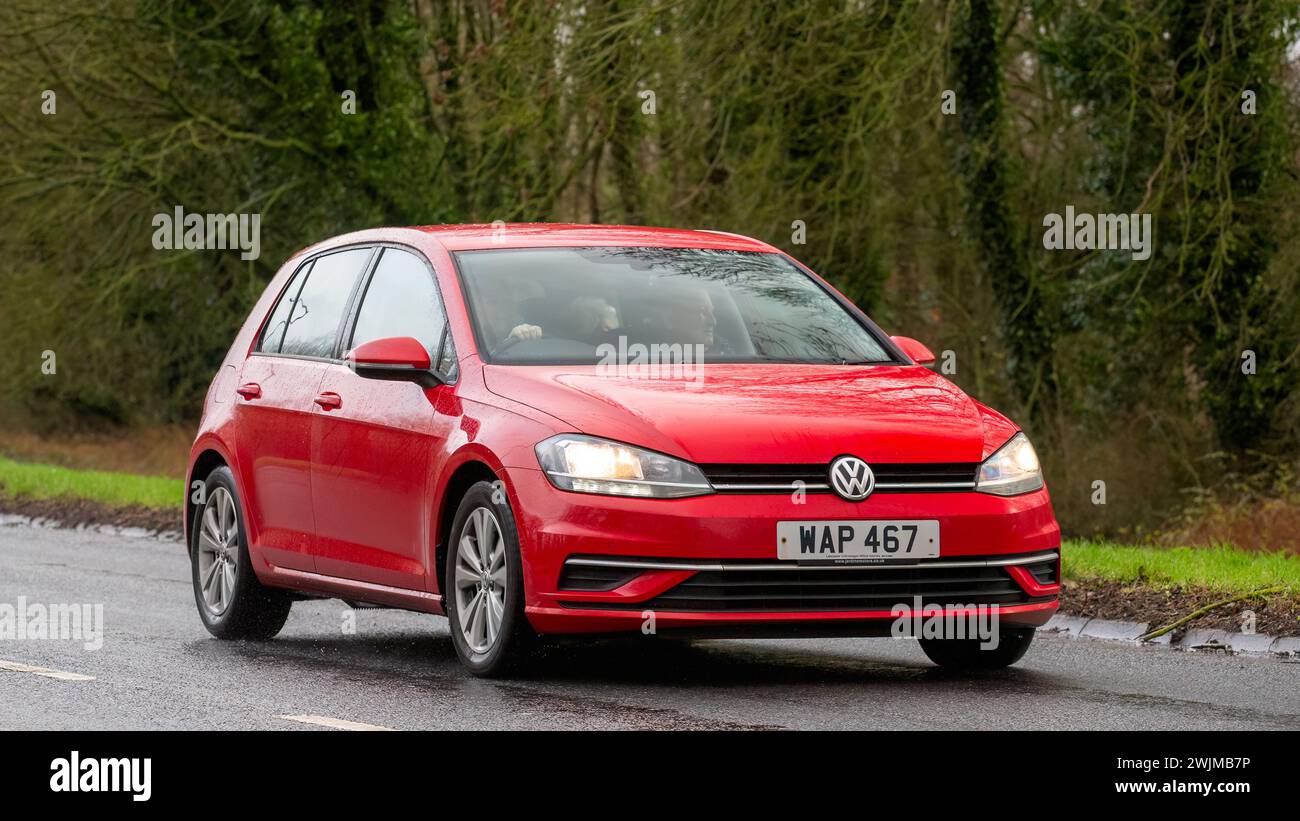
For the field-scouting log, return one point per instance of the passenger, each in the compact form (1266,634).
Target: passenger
(688,316)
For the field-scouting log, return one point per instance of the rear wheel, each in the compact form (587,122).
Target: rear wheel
(232,602)
(969,654)
(484,587)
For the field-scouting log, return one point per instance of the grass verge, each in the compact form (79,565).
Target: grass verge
(34,481)
(1222,568)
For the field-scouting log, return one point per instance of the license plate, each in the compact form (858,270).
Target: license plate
(864,541)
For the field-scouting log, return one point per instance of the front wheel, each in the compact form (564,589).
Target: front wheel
(232,602)
(484,588)
(969,654)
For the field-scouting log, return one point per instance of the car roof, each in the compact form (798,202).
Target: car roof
(546,234)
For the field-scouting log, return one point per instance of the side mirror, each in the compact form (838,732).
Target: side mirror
(920,354)
(394,357)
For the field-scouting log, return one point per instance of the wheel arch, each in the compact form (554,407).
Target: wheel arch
(468,473)
(206,462)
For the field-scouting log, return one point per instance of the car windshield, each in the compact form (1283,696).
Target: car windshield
(563,306)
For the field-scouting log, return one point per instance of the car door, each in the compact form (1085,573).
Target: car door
(277,389)
(375,448)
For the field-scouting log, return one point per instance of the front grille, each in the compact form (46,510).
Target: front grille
(925,477)
(838,588)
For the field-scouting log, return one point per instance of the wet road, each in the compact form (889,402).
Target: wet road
(158,669)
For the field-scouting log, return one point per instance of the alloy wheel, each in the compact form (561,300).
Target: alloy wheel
(480,580)
(218,551)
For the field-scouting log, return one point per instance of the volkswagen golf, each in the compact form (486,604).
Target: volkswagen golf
(537,430)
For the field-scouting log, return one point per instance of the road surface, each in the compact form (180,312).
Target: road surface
(159,669)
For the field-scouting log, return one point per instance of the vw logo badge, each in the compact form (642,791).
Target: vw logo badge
(852,478)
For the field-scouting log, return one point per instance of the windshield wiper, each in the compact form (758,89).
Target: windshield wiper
(846,361)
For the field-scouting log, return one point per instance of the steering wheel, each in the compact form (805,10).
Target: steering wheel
(509,343)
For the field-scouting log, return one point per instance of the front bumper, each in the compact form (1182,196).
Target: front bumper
(708,565)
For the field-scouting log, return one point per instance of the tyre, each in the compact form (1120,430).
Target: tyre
(485,586)
(967,654)
(232,602)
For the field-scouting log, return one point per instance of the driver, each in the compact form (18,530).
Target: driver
(504,313)
(587,319)
(590,319)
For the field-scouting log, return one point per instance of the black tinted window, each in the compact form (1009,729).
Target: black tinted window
(314,320)
(280,316)
(401,300)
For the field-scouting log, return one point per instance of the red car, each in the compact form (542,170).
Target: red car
(556,429)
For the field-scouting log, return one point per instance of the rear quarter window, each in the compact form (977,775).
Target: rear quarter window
(273,333)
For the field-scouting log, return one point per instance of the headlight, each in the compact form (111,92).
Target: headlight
(589,465)
(1011,470)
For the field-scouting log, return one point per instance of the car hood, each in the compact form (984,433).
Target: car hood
(788,414)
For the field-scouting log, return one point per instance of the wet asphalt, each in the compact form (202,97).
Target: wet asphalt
(159,669)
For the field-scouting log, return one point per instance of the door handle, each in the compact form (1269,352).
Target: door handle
(329,401)
(250,390)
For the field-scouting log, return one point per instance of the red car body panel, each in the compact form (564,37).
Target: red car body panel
(349,496)
(274,450)
(378,451)
(805,413)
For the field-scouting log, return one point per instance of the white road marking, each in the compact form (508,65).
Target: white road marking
(16,667)
(336,723)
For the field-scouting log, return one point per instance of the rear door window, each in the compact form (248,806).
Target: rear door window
(317,313)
